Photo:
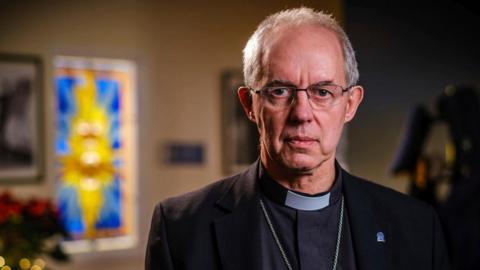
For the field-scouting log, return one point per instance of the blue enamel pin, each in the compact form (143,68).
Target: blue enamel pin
(380,237)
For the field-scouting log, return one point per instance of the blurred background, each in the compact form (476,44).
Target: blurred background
(158,77)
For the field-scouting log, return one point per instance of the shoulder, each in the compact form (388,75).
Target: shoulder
(384,199)
(211,200)
(197,201)
(412,227)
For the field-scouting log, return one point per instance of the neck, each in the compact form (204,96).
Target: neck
(317,180)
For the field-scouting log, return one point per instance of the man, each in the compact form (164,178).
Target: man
(296,208)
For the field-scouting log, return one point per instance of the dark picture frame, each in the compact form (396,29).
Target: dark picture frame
(239,135)
(20,118)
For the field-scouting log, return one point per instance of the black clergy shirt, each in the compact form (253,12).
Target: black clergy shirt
(308,237)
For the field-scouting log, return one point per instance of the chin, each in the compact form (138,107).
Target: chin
(301,163)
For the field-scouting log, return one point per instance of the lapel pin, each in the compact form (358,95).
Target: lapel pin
(380,237)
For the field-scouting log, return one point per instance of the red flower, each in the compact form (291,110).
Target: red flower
(27,226)
(37,207)
(9,207)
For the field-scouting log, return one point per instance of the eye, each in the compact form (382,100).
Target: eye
(279,91)
(319,92)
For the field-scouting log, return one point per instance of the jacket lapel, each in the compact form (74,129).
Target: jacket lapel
(369,232)
(238,233)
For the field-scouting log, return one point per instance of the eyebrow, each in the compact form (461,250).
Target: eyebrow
(289,83)
(279,82)
(322,83)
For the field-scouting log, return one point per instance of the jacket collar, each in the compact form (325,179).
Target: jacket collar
(238,233)
(243,189)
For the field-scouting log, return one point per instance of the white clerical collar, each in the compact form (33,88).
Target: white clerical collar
(296,200)
(301,202)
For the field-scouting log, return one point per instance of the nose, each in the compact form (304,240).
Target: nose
(301,110)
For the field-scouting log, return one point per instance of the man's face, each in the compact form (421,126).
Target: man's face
(299,138)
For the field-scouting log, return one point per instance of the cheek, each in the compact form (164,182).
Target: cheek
(335,135)
(270,126)
(331,126)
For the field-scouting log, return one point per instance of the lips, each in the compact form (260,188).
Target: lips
(300,141)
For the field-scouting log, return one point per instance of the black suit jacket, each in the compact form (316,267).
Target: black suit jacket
(218,227)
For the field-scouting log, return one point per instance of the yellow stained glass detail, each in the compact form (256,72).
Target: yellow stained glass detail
(89,166)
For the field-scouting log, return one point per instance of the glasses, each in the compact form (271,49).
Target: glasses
(320,96)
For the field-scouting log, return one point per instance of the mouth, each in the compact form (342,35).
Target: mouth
(300,141)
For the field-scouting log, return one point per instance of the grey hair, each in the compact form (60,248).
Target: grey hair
(254,50)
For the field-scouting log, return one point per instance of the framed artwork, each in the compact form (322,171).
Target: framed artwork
(240,136)
(95,150)
(20,118)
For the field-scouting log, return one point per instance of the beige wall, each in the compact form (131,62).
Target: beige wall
(180,49)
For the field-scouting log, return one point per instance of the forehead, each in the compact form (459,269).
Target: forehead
(303,55)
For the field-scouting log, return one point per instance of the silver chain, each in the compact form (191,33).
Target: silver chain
(280,247)
(277,241)
(339,237)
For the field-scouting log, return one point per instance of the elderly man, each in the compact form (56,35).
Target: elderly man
(296,208)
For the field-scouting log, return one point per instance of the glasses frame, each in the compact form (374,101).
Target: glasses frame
(295,90)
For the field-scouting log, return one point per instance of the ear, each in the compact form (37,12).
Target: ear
(354,99)
(246,101)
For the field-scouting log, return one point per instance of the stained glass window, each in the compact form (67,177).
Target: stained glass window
(95,151)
